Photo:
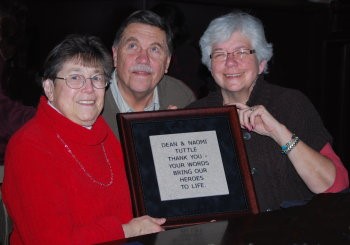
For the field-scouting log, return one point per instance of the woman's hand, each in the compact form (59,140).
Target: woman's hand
(259,120)
(143,225)
(172,107)
(317,171)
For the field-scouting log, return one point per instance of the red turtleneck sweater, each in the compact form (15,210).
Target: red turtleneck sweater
(57,194)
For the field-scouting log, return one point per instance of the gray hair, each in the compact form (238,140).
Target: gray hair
(146,17)
(221,29)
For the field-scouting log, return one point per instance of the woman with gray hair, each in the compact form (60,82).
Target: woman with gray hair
(288,147)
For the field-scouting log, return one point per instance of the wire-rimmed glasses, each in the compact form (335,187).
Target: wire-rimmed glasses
(76,81)
(239,54)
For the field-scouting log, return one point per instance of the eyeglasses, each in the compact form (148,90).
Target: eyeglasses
(239,54)
(76,81)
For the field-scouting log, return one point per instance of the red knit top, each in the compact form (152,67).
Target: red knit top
(65,184)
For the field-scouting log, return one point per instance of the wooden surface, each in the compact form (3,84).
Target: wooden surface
(323,220)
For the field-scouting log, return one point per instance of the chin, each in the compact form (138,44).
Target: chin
(87,122)
(142,86)
(233,89)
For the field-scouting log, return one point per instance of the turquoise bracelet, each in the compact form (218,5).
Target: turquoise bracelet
(285,149)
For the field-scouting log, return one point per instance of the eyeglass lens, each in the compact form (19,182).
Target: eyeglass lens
(78,81)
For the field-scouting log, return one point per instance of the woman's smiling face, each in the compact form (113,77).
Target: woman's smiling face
(235,74)
(82,105)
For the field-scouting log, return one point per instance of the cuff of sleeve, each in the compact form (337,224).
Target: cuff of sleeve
(341,180)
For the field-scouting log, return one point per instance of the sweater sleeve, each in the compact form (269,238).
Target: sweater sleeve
(341,181)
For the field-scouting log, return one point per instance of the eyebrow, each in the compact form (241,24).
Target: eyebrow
(162,47)
(129,39)
(218,49)
(79,70)
(133,39)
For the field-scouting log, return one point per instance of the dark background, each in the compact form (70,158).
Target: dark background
(311,42)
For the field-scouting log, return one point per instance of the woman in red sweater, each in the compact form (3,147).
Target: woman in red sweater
(65,181)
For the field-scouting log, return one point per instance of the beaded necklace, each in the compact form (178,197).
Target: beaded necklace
(83,168)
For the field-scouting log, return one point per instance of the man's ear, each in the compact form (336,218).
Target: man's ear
(49,87)
(115,55)
(167,64)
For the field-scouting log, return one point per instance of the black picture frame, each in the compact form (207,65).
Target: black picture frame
(136,131)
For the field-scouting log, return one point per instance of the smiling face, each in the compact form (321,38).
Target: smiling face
(141,59)
(81,106)
(235,76)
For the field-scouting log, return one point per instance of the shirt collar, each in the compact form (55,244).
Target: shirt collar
(123,105)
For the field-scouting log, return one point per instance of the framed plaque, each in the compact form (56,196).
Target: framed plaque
(187,165)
